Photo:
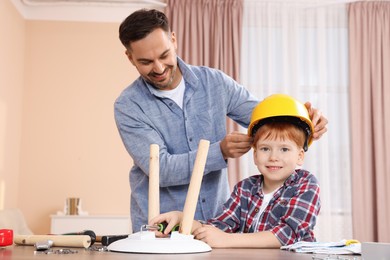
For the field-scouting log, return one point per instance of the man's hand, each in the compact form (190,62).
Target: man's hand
(235,144)
(319,121)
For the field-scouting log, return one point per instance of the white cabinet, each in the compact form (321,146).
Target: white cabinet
(100,224)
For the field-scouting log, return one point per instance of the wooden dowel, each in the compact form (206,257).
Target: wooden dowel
(194,188)
(58,240)
(154,182)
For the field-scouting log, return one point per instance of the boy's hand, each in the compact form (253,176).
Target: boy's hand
(213,236)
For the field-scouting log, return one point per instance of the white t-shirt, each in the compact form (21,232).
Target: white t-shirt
(266,199)
(176,94)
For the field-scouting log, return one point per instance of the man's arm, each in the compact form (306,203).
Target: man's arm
(137,133)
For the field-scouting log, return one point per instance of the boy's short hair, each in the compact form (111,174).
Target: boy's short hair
(280,130)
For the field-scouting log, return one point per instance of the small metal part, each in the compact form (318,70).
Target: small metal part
(62,251)
(150,227)
(65,251)
(43,245)
(98,248)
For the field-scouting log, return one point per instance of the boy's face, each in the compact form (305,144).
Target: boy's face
(276,160)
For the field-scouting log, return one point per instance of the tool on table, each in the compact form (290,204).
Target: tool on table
(84,232)
(6,237)
(58,240)
(106,240)
(61,251)
(43,245)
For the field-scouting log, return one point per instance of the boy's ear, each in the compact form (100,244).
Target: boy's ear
(254,156)
(301,157)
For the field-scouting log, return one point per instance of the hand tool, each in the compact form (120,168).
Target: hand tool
(84,232)
(6,237)
(159,227)
(106,240)
(43,245)
(58,240)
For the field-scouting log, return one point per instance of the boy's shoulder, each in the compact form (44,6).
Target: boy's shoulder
(250,182)
(253,179)
(302,176)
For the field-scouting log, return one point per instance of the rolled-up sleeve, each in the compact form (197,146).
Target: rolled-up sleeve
(300,215)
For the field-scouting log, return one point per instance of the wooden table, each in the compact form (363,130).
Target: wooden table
(27,252)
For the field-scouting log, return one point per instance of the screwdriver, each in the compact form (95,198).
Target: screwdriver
(160,227)
(107,240)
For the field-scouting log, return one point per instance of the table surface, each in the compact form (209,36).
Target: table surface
(27,252)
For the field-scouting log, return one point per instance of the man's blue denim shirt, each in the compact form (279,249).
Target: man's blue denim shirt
(143,119)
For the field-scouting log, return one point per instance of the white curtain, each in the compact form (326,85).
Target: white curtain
(301,48)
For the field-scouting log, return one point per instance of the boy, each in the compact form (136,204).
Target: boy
(280,205)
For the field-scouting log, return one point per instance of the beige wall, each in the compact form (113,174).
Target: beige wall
(57,108)
(12,35)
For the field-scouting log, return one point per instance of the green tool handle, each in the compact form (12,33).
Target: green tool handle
(163,226)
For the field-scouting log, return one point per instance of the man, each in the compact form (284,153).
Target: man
(174,105)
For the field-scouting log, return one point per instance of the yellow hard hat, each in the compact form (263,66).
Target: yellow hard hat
(281,107)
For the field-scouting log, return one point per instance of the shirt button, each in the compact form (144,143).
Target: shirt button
(283,202)
(190,139)
(203,200)
(256,210)
(170,104)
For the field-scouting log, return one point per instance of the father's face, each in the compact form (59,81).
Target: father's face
(155,59)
